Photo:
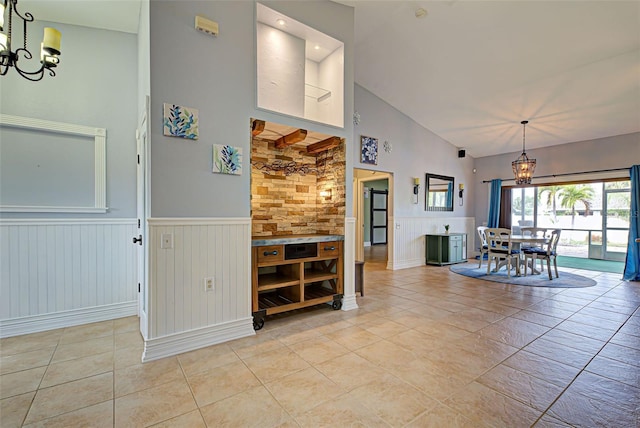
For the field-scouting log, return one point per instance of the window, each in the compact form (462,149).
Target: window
(594,217)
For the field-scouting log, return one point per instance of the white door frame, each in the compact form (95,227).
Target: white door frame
(142,204)
(358,186)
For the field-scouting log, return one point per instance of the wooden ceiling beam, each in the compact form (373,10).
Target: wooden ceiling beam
(257,127)
(324,145)
(293,138)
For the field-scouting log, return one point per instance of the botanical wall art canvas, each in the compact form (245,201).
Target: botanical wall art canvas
(227,159)
(180,121)
(369,150)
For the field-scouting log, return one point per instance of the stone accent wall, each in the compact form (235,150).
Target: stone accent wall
(297,204)
(331,197)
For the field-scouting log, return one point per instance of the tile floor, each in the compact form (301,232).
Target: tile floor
(427,348)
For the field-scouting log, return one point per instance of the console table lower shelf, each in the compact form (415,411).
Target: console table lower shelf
(281,285)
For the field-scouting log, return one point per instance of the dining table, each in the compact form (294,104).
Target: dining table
(520,239)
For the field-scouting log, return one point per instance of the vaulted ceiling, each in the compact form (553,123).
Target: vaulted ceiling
(471,71)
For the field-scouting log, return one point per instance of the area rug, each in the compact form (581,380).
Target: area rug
(566,280)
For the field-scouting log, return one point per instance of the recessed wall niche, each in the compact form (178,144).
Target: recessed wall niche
(300,71)
(297,181)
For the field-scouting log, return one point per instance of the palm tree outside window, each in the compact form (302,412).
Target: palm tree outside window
(594,216)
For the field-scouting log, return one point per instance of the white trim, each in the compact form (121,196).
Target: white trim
(367,243)
(43,209)
(349,284)
(100,178)
(178,343)
(64,128)
(44,322)
(64,221)
(439,219)
(195,221)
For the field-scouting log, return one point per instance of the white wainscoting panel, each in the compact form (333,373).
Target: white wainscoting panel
(65,267)
(409,241)
(202,248)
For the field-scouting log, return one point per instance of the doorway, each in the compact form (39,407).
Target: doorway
(373,206)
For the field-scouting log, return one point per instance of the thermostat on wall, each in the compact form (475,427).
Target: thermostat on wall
(206,25)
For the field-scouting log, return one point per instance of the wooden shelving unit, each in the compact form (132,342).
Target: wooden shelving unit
(280,285)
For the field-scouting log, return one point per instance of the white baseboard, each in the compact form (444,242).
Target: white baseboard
(404,264)
(178,343)
(37,323)
(367,244)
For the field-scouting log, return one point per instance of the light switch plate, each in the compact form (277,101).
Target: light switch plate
(166,241)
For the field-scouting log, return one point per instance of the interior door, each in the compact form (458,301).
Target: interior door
(379,207)
(140,239)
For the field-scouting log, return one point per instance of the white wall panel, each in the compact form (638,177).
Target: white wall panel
(409,241)
(218,248)
(55,265)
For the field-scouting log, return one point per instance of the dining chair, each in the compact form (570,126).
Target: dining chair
(547,252)
(501,248)
(484,247)
(534,232)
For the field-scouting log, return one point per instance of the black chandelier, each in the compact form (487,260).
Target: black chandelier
(523,167)
(49,47)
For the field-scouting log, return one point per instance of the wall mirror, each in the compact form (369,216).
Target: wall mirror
(439,193)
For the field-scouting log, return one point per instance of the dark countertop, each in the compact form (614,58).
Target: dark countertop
(257,241)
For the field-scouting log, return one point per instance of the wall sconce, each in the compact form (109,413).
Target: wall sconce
(416,189)
(461,193)
(326,194)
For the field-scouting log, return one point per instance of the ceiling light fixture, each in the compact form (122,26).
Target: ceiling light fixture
(421,12)
(317,47)
(523,167)
(281,22)
(49,48)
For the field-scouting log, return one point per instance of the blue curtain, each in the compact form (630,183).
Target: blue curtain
(632,264)
(450,194)
(494,203)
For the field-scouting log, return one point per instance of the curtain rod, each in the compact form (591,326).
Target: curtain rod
(567,173)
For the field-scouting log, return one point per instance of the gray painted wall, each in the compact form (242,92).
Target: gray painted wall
(144,87)
(217,76)
(416,151)
(95,86)
(621,151)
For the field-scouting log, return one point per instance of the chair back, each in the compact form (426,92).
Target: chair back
(535,232)
(482,236)
(553,241)
(499,240)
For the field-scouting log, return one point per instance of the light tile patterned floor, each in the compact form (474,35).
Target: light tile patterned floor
(427,348)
